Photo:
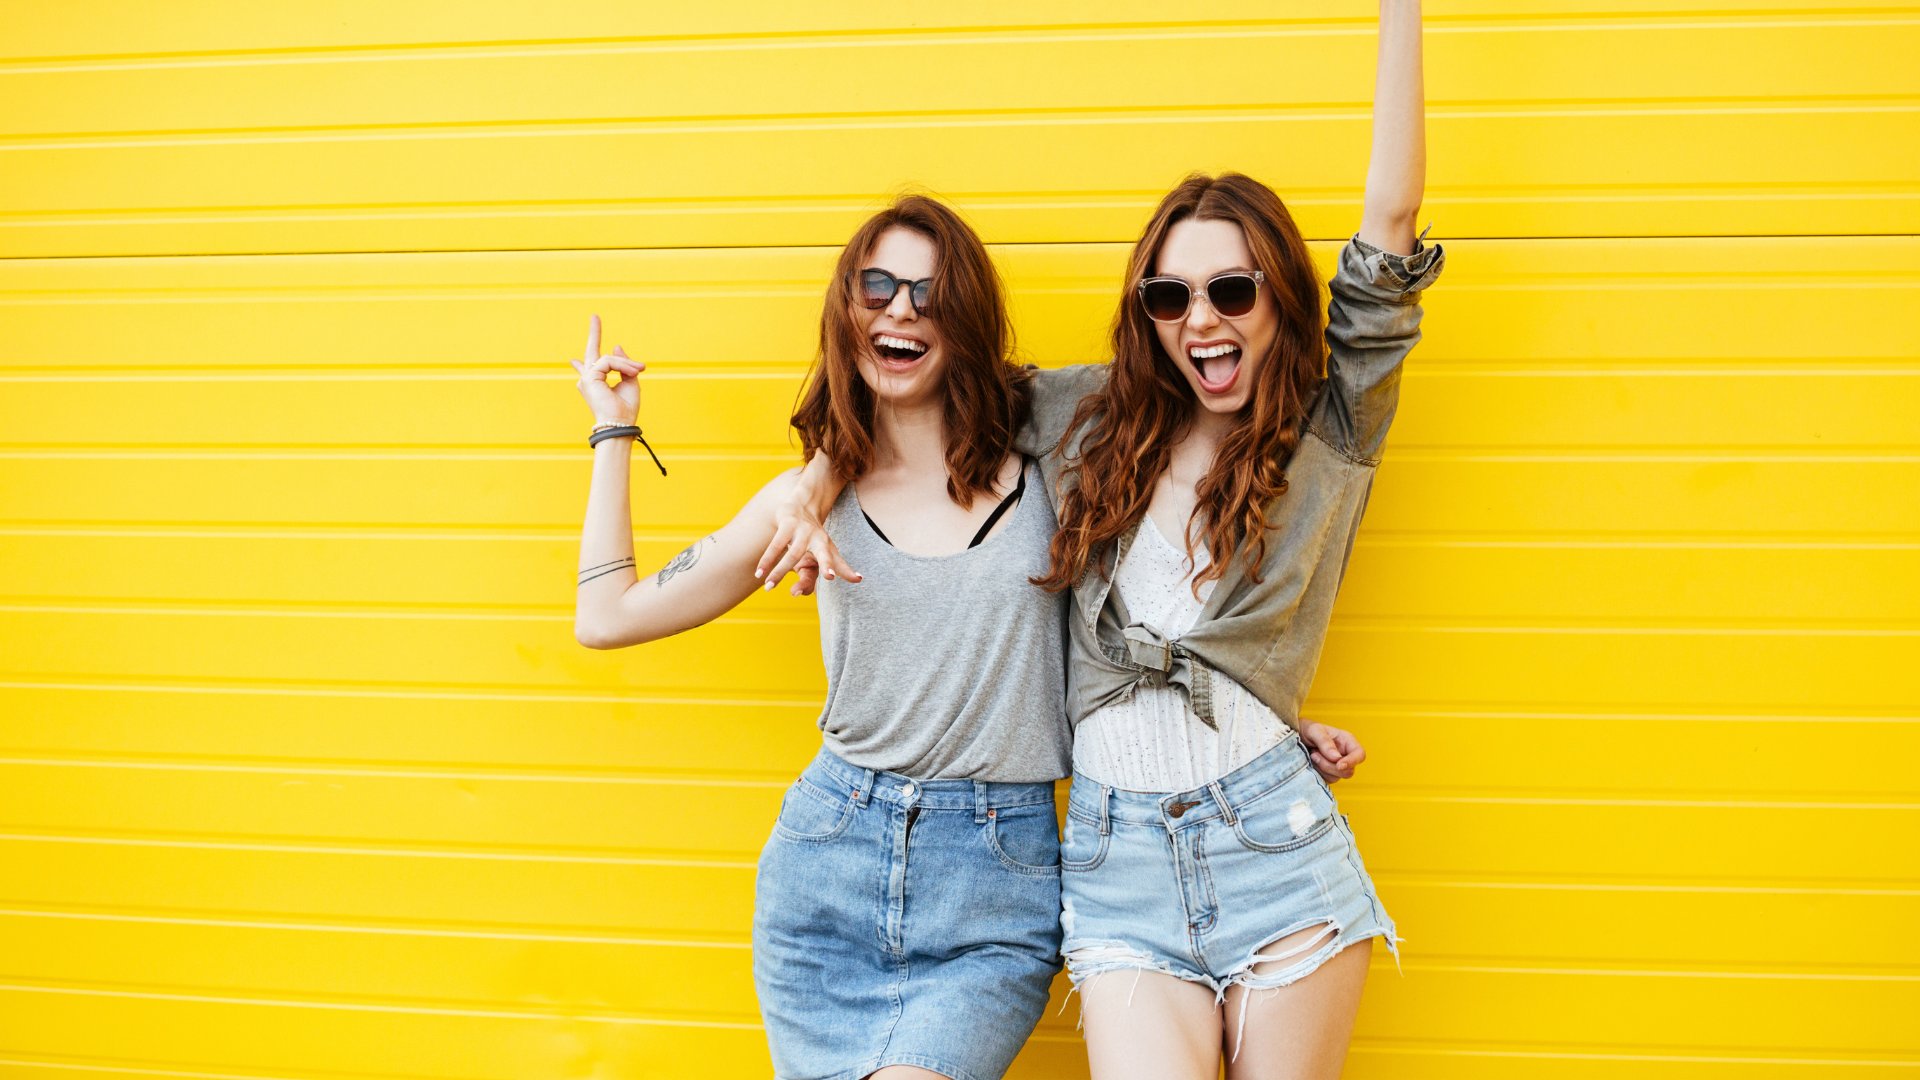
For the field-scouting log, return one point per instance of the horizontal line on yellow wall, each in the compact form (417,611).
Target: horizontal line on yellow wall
(749,40)
(508,1011)
(153,1067)
(696,371)
(1746,540)
(549,855)
(1546,710)
(494,450)
(451,930)
(346,452)
(323,610)
(410,691)
(446,929)
(402,851)
(1641,885)
(93,605)
(402,212)
(1369,793)
(1623,1056)
(1436,110)
(412,1008)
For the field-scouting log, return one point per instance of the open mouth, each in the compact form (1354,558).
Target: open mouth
(898,351)
(1218,364)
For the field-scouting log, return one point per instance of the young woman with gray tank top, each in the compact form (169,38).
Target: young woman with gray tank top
(906,906)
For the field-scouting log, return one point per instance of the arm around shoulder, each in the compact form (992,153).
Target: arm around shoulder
(1057,392)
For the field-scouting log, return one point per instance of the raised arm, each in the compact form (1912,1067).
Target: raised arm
(1397,170)
(614,605)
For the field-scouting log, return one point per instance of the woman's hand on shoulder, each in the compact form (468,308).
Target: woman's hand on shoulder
(1335,752)
(800,499)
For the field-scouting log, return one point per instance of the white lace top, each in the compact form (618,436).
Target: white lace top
(1152,741)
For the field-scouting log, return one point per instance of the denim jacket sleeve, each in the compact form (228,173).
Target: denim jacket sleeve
(1056,394)
(1373,321)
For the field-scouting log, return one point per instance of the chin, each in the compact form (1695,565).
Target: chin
(900,387)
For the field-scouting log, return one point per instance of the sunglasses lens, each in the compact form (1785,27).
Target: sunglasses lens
(1166,301)
(922,292)
(876,288)
(1232,295)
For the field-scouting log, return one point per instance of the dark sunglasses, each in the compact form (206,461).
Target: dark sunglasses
(875,288)
(1232,294)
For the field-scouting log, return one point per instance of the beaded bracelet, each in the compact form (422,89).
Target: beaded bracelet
(606,431)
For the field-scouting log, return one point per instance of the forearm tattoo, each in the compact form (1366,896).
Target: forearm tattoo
(684,560)
(615,566)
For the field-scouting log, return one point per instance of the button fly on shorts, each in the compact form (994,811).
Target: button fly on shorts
(1180,808)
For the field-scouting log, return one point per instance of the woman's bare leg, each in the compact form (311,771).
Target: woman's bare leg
(1299,1031)
(1170,1030)
(907,1072)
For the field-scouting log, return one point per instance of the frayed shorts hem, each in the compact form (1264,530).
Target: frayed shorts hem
(919,1061)
(1142,961)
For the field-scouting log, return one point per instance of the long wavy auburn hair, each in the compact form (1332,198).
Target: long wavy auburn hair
(1147,406)
(985,393)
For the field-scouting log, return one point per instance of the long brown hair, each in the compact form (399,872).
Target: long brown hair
(1147,406)
(985,394)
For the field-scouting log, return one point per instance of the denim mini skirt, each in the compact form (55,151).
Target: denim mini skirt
(905,922)
(1197,884)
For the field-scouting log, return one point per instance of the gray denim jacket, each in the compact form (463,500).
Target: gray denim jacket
(1266,636)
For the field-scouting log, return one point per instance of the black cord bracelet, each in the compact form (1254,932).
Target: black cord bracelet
(629,429)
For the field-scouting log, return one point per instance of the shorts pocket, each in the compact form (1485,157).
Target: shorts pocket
(1025,839)
(1083,846)
(809,815)
(1291,815)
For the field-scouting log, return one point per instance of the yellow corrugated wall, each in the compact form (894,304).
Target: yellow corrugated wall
(303,776)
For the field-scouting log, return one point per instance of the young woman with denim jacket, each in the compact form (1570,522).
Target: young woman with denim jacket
(1211,482)
(906,907)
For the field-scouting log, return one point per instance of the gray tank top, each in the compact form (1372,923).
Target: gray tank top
(947,666)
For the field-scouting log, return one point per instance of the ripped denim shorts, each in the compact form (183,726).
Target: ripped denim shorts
(1197,883)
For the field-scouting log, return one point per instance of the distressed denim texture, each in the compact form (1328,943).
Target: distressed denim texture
(1197,884)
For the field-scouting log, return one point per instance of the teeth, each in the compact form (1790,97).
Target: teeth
(1216,350)
(898,343)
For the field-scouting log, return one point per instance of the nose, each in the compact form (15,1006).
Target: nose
(901,306)
(1200,315)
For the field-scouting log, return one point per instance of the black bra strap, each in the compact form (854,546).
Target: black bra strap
(1005,505)
(998,511)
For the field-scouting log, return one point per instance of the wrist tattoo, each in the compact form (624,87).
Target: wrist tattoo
(683,561)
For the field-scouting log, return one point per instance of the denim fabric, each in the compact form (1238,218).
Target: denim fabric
(1195,884)
(1266,635)
(905,922)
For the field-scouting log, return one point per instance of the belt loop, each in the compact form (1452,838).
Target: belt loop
(866,788)
(980,802)
(1106,822)
(1226,808)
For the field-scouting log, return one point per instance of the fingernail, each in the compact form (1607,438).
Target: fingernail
(828,575)
(758,573)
